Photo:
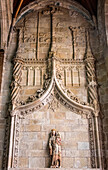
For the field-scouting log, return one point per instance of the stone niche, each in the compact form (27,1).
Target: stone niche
(62,31)
(34,134)
(54,57)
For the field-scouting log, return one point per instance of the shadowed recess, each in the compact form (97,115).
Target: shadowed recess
(90,5)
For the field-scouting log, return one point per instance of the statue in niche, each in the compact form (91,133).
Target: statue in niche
(55,149)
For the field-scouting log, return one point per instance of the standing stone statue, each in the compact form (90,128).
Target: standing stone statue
(58,150)
(55,149)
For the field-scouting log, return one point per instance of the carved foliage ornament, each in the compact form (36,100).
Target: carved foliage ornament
(52,80)
(52,87)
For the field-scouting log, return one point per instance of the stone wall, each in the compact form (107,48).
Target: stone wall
(66,36)
(65,33)
(102,71)
(51,168)
(34,135)
(2,120)
(106,18)
(1,65)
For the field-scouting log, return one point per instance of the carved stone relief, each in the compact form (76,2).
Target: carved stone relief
(57,72)
(91,77)
(55,149)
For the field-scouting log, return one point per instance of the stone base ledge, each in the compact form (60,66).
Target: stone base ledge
(53,169)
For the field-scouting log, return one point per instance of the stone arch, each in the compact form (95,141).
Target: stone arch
(41,4)
(16,112)
(54,89)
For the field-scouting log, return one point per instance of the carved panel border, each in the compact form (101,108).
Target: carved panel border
(92,143)
(16,142)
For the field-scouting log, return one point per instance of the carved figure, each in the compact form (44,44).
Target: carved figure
(52,147)
(58,151)
(55,149)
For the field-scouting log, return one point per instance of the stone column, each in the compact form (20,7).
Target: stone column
(15,85)
(5,93)
(93,100)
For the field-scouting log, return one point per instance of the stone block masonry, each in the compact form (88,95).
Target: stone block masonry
(34,135)
(60,34)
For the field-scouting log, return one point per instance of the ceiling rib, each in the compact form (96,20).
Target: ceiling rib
(90,5)
(19,7)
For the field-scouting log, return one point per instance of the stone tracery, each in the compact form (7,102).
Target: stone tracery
(52,86)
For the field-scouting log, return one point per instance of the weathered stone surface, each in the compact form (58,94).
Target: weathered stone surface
(80,162)
(70,116)
(23,162)
(77,153)
(32,128)
(74,135)
(36,162)
(83,145)
(34,41)
(51,168)
(67,162)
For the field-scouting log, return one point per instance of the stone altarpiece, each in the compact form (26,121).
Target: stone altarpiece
(54,86)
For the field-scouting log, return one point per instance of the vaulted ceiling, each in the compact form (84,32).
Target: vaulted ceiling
(90,5)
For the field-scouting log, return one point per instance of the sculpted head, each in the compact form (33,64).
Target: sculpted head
(53,131)
(58,135)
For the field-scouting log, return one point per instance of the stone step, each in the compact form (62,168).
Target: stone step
(53,169)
